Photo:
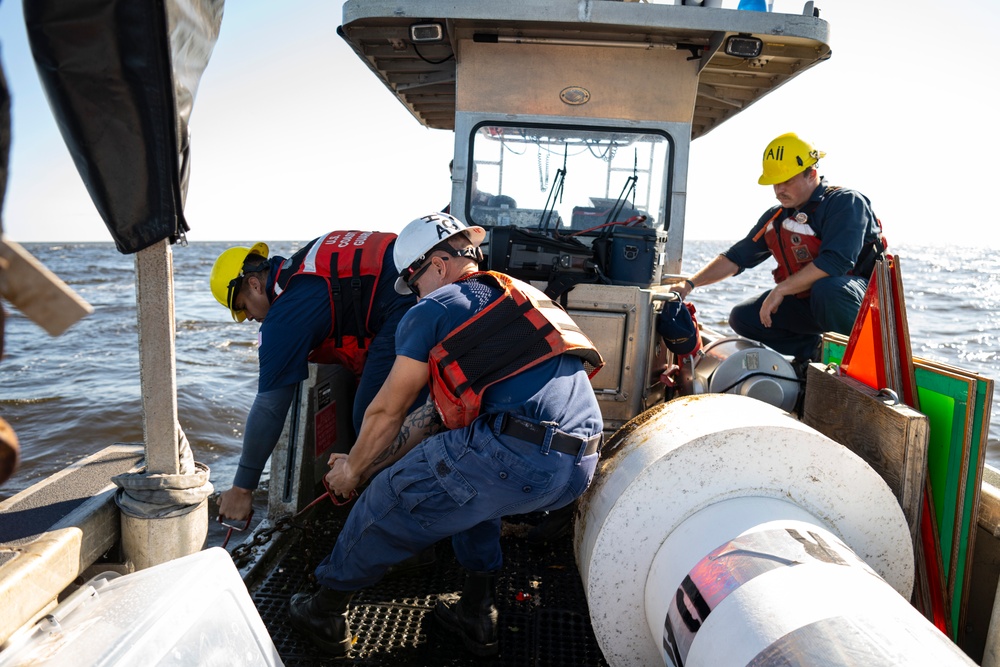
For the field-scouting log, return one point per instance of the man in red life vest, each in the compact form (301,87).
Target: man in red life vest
(333,301)
(508,371)
(825,239)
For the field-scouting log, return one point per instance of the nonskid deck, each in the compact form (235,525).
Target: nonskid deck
(544,619)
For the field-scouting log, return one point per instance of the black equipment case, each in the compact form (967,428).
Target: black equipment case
(617,254)
(532,255)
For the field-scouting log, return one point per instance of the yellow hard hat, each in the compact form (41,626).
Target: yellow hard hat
(785,157)
(226,274)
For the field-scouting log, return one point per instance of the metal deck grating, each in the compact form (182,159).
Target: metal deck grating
(543,612)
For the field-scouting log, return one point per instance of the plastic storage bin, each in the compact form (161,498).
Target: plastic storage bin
(190,611)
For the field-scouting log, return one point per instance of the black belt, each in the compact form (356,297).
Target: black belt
(561,442)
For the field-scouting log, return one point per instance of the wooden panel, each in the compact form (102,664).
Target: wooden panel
(37,292)
(892,439)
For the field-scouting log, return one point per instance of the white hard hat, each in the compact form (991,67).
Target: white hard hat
(420,236)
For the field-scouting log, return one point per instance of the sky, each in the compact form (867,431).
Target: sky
(292,136)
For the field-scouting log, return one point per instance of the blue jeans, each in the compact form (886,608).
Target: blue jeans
(455,484)
(797,325)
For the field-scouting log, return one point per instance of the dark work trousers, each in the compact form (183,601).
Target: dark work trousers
(455,484)
(832,305)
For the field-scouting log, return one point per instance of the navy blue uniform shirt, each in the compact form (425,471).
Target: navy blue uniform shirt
(842,219)
(556,390)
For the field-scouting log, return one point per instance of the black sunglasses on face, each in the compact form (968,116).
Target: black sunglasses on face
(235,285)
(413,272)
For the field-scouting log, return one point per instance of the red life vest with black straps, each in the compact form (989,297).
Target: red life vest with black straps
(794,243)
(351,262)
(517,331)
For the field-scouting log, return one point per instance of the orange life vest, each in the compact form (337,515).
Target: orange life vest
(351,262)
(517,331)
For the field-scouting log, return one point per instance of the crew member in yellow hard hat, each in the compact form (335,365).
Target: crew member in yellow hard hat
(825,239)
(333,301)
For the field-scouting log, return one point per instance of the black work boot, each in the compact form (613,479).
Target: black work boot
(473,615)
(323,617)
(555,525)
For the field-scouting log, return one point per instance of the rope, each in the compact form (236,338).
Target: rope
(326,493)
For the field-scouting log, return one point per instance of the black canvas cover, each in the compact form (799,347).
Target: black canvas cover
(109,69)
(4,143)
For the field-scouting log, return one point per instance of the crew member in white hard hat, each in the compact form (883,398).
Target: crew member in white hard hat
(825,239)
(508,372)
(331,302)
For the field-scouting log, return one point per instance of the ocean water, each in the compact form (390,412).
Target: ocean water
(70,396)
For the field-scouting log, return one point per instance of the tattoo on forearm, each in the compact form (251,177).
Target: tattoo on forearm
(391,450)
(418,425)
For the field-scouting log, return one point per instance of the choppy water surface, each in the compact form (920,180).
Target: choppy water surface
(71,396)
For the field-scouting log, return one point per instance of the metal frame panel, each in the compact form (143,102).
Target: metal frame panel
(676,171)
(632,350)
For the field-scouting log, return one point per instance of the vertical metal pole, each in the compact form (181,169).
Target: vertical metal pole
(157,366)
(675,203)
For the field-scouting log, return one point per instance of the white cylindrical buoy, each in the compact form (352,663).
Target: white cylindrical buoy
(782,592)
(721,526)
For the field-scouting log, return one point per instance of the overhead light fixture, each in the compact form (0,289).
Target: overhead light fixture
(493,38)
(744,46)
(424,33)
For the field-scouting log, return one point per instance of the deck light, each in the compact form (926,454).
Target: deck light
(423,33)
(744,46)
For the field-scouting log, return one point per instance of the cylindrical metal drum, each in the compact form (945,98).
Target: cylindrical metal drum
(745,367)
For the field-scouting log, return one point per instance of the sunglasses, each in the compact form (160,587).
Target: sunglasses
(235,285)
(412,273)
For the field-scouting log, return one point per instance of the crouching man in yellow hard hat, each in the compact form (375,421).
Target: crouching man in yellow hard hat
(825,239)
(333,301)
(506,370)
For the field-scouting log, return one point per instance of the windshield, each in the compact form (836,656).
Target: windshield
(566,178)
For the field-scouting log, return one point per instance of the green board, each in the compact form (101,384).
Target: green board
(945,401)
(833,352)
(954,460)
(980,424)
